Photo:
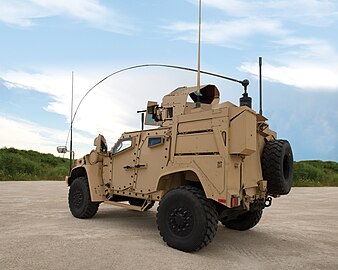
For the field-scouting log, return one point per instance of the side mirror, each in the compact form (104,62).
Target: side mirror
(62,149)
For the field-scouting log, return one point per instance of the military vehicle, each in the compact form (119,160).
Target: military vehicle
(203,164)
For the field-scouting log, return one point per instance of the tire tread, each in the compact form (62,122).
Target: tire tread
(210,212)
(91,207)
(272,167)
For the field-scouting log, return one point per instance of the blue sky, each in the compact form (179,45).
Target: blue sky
(42,42)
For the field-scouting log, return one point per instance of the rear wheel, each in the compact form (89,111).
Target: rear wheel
(244,221)
(186,219)
(79,201)
(277,166)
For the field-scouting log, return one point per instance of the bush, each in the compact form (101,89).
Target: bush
(31,165)
(315,173)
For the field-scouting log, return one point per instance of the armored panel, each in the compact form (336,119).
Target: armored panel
(193,126)
(243,133)
(196,143)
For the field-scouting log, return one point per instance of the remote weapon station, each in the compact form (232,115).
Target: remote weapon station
(204,162)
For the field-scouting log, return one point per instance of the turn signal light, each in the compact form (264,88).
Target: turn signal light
(235,200)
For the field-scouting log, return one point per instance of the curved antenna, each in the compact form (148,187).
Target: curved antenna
(243,83)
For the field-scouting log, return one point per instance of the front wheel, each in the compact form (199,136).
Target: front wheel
(186,219)
(243,221)
(79,201)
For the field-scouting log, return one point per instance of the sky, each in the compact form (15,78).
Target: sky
(43,41)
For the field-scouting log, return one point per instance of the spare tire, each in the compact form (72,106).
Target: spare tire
(277,167)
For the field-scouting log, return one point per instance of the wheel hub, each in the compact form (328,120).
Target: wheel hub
(181,221)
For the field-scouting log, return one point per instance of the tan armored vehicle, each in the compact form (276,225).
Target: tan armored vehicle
(203,164)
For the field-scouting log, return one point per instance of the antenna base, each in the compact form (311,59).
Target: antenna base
(245,100)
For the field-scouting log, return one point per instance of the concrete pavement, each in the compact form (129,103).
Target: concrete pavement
(37,231)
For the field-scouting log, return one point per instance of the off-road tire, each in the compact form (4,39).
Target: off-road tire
(186,219)
(140,202)
(277,167)
(79,201)
(244,221)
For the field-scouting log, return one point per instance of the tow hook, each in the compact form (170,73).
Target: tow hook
(268,202)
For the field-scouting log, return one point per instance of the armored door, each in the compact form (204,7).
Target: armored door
(152,158)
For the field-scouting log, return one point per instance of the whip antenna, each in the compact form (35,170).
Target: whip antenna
(198,103)
(260,86)
(71,126)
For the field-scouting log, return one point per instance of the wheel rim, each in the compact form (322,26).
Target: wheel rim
(77,198)
(181,221)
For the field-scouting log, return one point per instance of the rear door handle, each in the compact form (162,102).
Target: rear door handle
(140,166)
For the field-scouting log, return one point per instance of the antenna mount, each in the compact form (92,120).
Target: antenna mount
(245,100)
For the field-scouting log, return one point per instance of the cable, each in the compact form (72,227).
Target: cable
(149,65)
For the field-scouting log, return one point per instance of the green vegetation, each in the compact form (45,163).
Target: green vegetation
(315,173)
(31,165)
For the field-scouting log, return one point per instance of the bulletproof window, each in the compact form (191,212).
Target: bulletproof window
(170,113)
(122,145)
(154,141)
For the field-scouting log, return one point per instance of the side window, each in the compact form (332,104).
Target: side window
(154,141)
(170,113)
(122,145)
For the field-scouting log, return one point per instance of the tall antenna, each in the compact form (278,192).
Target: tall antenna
(71,126)
(198,103)
(260,86)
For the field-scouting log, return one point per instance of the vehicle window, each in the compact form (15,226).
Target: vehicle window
(122,145)
(155,141)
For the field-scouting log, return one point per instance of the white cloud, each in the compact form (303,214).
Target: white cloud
(91,12)
(228,33)
(297,54)
(307,12)
(306,76)
(26,135)
(58,86)
(306,63)
(110,108)
(275,19)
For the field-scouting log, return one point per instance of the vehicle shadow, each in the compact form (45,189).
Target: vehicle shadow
(256,243)
(128,219)
(252,243)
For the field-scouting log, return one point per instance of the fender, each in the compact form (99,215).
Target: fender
(209,189)
(94,175)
